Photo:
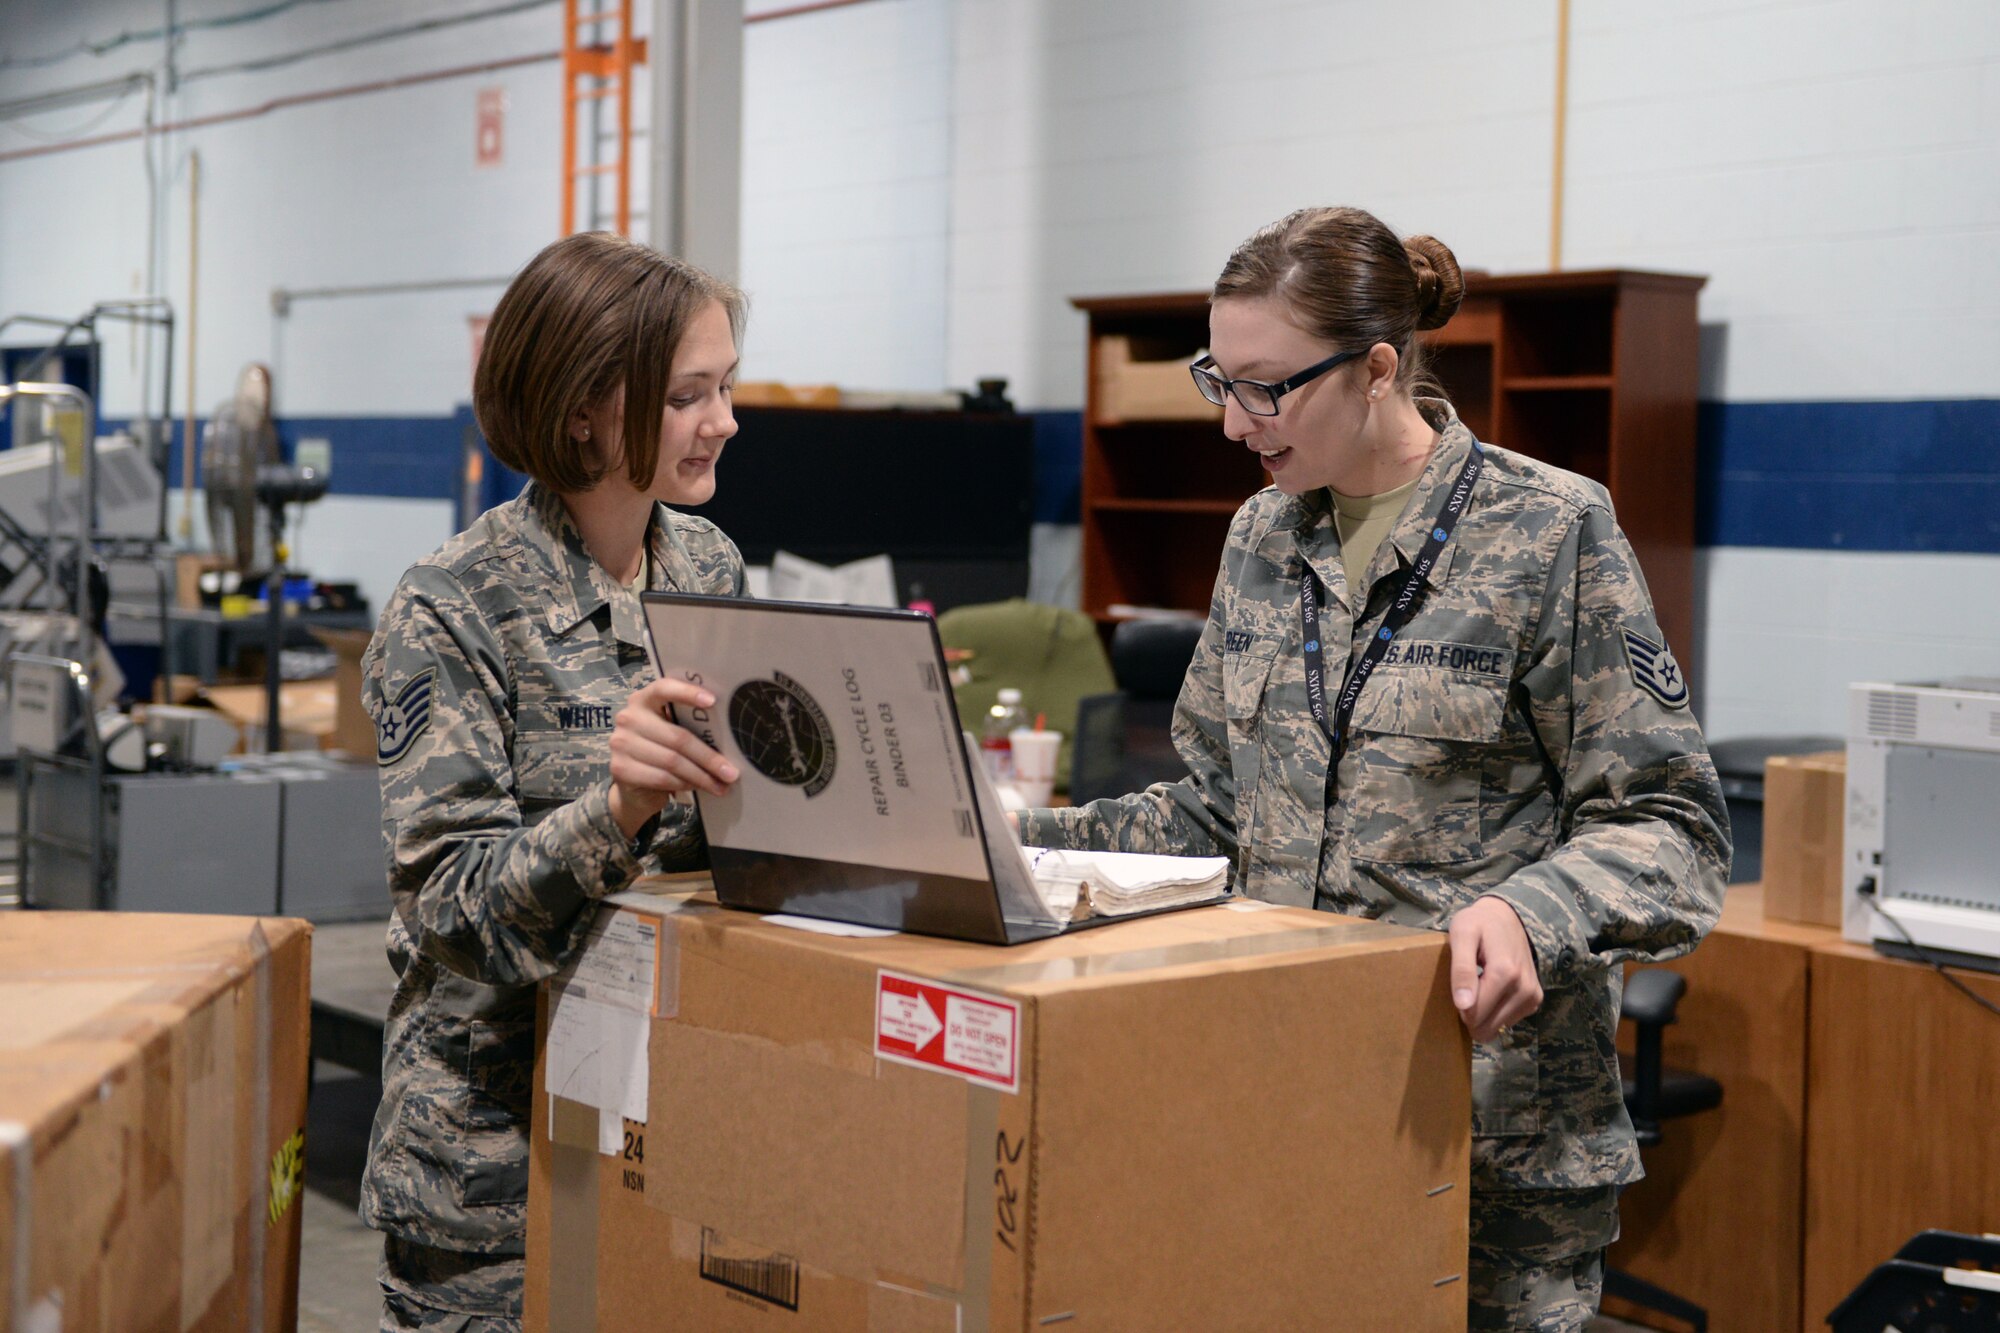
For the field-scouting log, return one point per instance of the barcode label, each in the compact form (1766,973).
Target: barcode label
(964,818)
(765,1274)
(930,678)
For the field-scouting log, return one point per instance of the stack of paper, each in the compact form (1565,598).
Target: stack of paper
(867,582)
(1077,885)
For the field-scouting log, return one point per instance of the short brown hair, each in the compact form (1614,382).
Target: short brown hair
(1348,281)
(588,314)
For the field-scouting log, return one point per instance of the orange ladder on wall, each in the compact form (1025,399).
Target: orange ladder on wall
(606,68)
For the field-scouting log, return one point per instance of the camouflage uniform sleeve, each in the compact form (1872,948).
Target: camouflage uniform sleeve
(479,892)
(714,558)
(732,560)
(1195,816)
(1639,871)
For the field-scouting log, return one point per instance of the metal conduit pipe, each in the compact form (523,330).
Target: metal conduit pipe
(111,87)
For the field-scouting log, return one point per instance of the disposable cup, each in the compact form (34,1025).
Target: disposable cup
(1035,764)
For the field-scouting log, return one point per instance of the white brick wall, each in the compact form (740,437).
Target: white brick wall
(927,182)
(1786,631)
(846,190)
(366,189)
(1833,166)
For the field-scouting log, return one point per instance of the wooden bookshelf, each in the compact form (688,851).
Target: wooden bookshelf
(1593,371)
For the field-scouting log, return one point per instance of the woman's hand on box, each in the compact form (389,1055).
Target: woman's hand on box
(1493,980)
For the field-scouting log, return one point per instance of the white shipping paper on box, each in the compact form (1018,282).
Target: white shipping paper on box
(597,1054)
(599,1017)
(618,964)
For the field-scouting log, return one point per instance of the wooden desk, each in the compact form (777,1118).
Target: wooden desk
(1859,1099)
(1719,1217)
(1904,1130)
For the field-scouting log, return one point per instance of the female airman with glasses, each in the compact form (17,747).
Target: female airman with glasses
(1432,690)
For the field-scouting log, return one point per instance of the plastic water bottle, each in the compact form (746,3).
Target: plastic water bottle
(994,747)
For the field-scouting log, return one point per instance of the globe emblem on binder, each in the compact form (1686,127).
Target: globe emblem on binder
(783,732)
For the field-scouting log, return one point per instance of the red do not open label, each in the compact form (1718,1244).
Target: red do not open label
(934,1026)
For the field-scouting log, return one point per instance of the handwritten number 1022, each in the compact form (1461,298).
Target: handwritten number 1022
(1007,1195)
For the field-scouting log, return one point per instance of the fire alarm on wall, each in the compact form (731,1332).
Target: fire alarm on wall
(492,115)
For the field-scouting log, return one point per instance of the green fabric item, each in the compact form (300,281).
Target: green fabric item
(1051,655)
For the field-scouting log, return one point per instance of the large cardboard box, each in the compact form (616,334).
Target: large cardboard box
(1213,1119)
(1805,822)
(305,709)
(353,730)
(152,1118)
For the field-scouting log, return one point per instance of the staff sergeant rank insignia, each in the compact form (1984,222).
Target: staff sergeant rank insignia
(1655,671)
(404,718)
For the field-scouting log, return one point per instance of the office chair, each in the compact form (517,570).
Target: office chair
(1123,740)
(1654,1093)
(1050,654)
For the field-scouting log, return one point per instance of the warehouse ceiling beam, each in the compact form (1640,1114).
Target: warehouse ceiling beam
(1559,168)
(696,205)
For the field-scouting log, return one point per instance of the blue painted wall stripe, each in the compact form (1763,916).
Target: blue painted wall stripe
(1880,476)
(1863,476)
(1058,440)
(400,457)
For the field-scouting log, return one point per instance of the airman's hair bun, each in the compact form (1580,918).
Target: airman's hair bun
(1440,286)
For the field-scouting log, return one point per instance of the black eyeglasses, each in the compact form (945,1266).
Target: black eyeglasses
(1258,398)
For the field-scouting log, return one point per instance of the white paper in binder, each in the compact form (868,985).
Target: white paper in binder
(1121,883)
(1045,884)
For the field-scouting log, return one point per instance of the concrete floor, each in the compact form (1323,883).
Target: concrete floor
(337,1290)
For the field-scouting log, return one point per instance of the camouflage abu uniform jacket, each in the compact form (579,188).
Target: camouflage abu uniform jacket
(1527,737)
(493,678)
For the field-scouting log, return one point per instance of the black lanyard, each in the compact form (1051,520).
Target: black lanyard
(1400,611)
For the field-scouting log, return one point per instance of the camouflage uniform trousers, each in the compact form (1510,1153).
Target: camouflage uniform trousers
(1537,1259)
(448,1291)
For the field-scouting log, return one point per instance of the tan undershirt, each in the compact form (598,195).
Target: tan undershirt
(1364,522)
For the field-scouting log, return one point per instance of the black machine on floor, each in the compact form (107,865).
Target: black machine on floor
(1939,1282)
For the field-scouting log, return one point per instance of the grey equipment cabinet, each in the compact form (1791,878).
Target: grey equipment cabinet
(163,842)
(331,862)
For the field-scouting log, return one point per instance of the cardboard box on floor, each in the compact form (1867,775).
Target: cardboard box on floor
(353,729)
(305,710)
(1218,1118)
(152,1113)
(1805,827)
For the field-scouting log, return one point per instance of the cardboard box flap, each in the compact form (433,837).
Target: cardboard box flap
(873,1146)
(1138,960)
(1138,1093)
(1124,951)
(50,944)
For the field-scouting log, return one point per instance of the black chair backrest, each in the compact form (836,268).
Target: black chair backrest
(1150,657)
(1097,760)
